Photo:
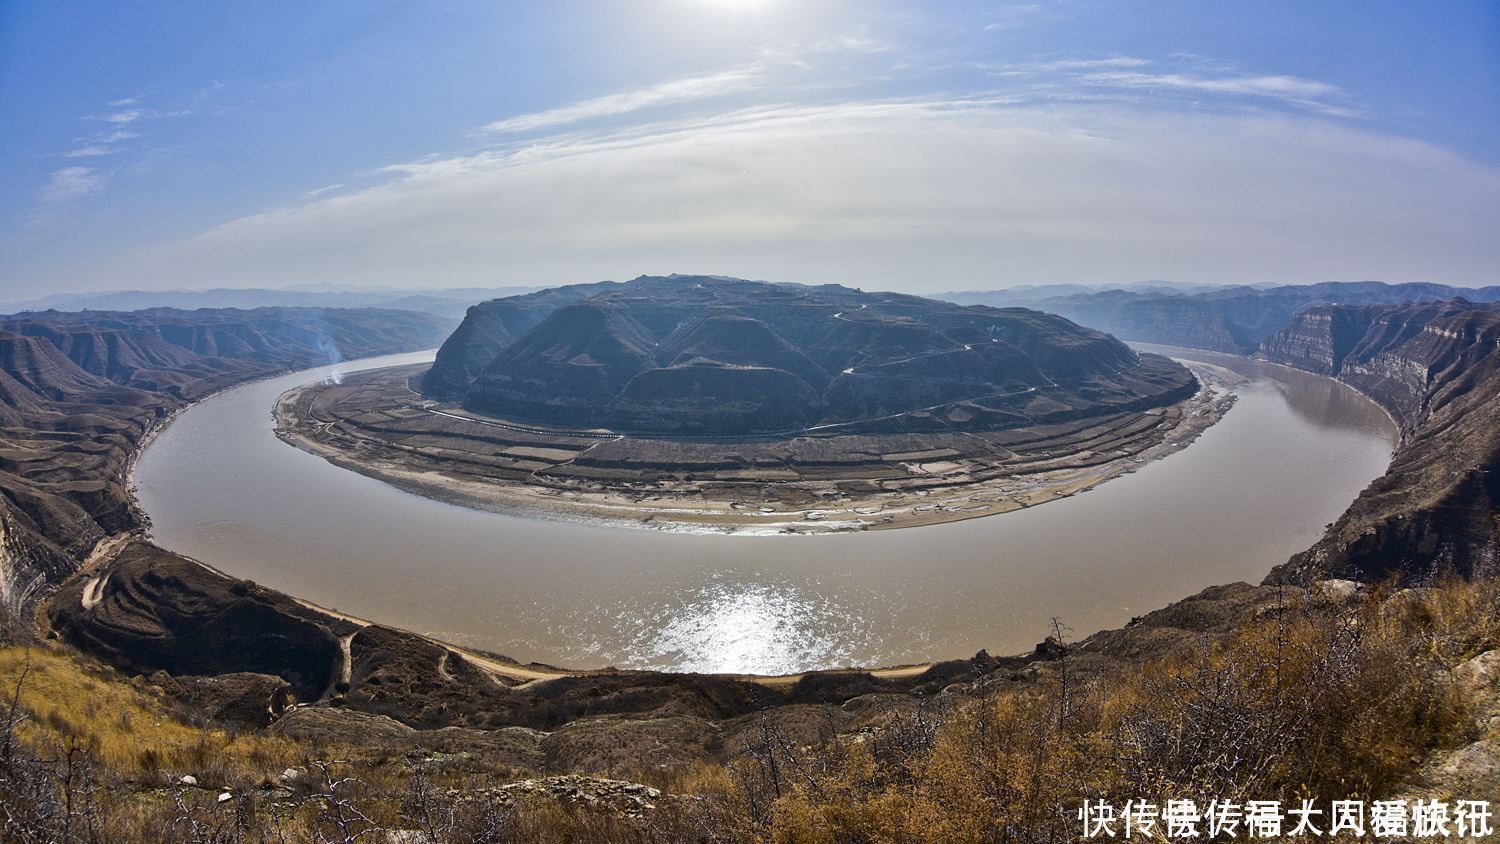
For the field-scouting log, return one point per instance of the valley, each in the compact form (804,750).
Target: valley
(239,653)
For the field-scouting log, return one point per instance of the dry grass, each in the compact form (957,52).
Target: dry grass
(1311,701)
(126,728)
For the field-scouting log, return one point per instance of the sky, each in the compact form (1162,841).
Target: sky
(911,146)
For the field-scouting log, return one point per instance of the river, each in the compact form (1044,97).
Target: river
(1252,490)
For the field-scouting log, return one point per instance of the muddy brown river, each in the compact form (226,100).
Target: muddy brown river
(1255,488)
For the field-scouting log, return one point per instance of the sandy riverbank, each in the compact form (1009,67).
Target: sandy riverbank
(683,506)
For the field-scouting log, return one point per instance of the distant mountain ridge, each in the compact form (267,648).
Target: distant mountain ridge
(1226,319)
(449,302)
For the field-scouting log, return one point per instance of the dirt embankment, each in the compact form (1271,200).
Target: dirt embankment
(373,423)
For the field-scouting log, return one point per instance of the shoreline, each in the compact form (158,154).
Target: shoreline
(1224,378)
(107,548)
(1395,423)
(679,513)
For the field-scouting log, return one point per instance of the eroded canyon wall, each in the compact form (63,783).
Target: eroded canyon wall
(1436,368)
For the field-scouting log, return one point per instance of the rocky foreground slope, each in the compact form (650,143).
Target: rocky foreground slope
(709,355)
(79,392)
(1436,368)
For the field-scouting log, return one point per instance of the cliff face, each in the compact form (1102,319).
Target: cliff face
(1436,368)
(78,391)
(710,355)
(1235,319)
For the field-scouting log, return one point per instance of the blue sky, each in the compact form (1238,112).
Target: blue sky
(923,147)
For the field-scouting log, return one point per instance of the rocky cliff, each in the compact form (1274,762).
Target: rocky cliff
(1232,319)
(710,355)
(1436,368)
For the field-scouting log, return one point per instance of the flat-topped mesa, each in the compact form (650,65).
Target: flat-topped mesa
(705,355)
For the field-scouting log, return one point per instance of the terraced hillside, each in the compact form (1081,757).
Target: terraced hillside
(79,392)
(745,405)
(714,356)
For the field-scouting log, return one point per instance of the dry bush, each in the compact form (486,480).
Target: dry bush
(1318,701)
(1311,701)
(1327,704)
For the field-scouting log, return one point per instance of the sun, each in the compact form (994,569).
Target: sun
(737,5)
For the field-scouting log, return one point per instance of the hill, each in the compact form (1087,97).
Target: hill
(80,391)
(707,355)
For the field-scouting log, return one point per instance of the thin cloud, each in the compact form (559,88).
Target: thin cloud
(70,183)
(1090,64)
(1013,16)
(1266,86)
(851,43)
(1290,89)
(121,122)
(1119,77)
(894,192)
(90,151)
(667,93)
(129,115)
(326,189)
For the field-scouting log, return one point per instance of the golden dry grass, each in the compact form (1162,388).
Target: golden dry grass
(124,727)
(1309,701)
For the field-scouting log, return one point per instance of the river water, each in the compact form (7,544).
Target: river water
(1255,488)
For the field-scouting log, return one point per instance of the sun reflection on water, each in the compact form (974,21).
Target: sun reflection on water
(738,628)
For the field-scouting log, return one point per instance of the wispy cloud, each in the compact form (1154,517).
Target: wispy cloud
(1178,75)
(903,193)
(129,115)
(674,92)
(1281,87)
(1089,64)
(1308,94)
(326,189)
(855,43)
(1012,16)
(69,183)
(121,122)
(89,151)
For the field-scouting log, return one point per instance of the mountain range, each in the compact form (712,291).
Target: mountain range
(1226,319)
(447,302)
